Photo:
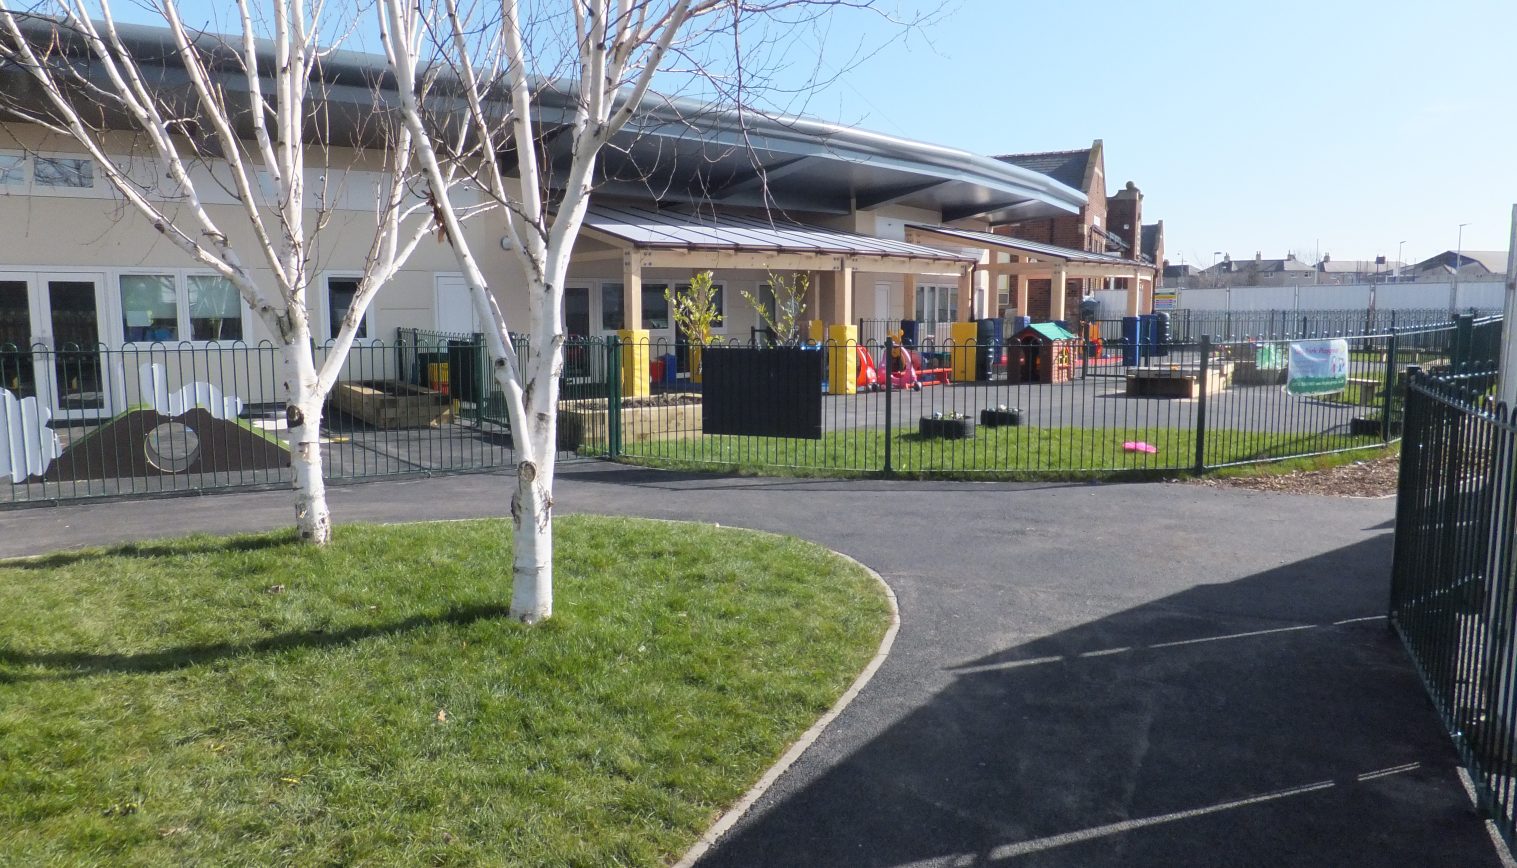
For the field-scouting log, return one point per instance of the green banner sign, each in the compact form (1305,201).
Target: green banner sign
(1317,367)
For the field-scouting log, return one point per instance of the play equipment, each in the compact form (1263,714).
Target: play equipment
(27,444)
(902,366)
(157,394)
(868,379)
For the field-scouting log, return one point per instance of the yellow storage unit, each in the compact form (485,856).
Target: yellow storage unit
(963,335)
(634,362)
(843,359)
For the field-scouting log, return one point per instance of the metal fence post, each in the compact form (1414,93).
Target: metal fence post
(1464,342)
(1387,400)
(482,377)
(1200,466)
(889,398)
(613,397)
(1408,482)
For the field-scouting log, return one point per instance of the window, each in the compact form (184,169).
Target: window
(613,317)
(215,308)
(168,307)
(937,303)
(149,308)
(655,306)
(340,292)
(76,172)
(12,170)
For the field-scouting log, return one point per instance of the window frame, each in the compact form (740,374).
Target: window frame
(188,316)
(366,324)
(183,325)
(87,161)
(22,181)
(660,286)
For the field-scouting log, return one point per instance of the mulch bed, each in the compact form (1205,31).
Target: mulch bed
(669,399)
(1376,478)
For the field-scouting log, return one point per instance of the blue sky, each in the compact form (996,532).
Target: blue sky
(1276,126)
(1340,126)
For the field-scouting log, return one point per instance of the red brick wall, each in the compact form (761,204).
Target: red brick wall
(1126,212)
(1039,292)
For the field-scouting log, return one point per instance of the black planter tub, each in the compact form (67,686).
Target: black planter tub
(1000,418)
(947,429)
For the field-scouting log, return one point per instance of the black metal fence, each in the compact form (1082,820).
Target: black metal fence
(94,422)
(80,422)
(1453,589)
(1060,407)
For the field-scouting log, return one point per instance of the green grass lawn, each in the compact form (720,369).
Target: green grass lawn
(1020,452)
(255,701)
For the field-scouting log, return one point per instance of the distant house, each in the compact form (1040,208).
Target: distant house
(1471,265)
(1182,276)
(1259,272)
(1343,271)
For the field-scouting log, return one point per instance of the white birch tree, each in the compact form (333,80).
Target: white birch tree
(245,120)
(608,56)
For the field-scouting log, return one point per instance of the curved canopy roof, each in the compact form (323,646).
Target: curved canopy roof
(663,230)
(677,150)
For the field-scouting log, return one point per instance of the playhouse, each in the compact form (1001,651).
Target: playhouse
(1043,352)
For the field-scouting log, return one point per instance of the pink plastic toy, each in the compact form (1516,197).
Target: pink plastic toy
(1140,446)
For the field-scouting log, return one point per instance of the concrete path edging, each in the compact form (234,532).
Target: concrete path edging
(731,816)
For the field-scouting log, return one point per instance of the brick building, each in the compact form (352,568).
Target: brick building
(1111,225)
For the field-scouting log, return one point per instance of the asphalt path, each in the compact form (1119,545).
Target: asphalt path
(1086,675)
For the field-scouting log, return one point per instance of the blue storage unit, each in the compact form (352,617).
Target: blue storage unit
(909,333)
(1130,326)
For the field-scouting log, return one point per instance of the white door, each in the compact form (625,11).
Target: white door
(455,309)
(882,301)
(20,330)
(73,375)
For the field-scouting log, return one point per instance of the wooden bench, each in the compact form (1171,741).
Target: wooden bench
(1369,389)
(1175,381)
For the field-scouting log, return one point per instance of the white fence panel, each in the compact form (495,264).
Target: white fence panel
(1485,295)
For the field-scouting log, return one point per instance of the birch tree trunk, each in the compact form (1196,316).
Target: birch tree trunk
(532,536)
(618,47)
(303,406)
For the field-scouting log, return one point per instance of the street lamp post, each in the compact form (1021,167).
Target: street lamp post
(1458,264)
(1399,262)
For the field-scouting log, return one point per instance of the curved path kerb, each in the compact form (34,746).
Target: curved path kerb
(1150,674)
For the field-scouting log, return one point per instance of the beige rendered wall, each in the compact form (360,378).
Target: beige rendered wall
(93,232)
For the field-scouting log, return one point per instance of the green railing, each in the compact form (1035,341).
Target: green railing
(428,403)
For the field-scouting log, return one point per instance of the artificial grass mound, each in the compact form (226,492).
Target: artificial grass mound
(252,700)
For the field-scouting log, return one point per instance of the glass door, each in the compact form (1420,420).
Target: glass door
(577,311)
(18,374)
(577,355)
(76,371)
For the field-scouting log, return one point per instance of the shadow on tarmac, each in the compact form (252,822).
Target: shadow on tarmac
(1272,720)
